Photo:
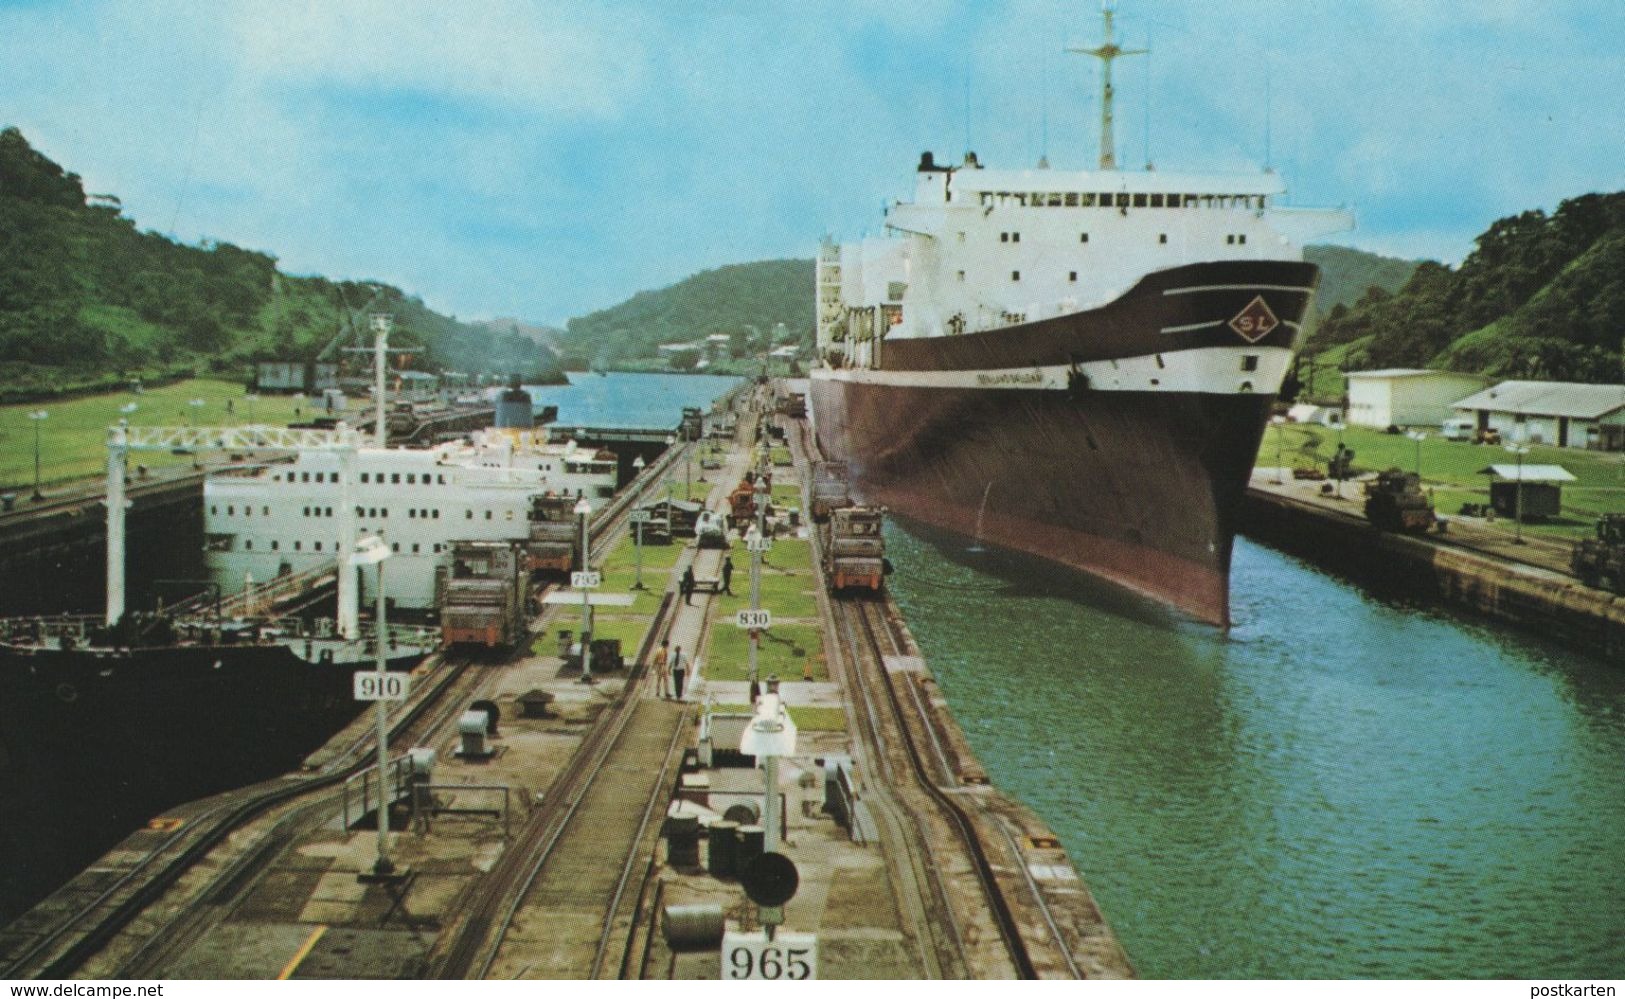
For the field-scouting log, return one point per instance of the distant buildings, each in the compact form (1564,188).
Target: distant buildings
(1564,414)
(1407,397)
(1567,414)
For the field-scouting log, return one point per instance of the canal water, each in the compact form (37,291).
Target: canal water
(1344,786)
(644,401)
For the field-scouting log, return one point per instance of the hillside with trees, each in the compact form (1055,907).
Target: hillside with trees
(1541,297)
(728,300)
(86,297)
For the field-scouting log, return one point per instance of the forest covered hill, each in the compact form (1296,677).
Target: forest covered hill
(86,297)
(1540,297)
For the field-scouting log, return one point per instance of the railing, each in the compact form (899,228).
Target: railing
(255,437)
(399,771)
(424,805)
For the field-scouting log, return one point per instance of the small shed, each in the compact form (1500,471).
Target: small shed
(1527,491)
(1308,412)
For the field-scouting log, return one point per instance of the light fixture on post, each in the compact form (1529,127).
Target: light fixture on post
(671,439)
(770,735)
(372,550)
(583,509)
(38,416)
(1418,436)
(1280,428)
(1517,493)
(638,517)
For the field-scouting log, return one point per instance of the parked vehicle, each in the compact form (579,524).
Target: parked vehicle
(1395,502)
(1600,561)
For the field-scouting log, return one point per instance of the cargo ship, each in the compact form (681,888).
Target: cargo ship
(1079,364)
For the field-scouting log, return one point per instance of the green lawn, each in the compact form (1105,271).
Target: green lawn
(1451,468)
(729,655)
(73,437)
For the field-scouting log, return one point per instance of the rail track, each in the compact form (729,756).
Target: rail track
(117,905)
(867,636)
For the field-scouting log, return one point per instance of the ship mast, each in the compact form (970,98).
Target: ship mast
(1106,52)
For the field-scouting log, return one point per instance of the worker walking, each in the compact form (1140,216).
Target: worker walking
(727,574)
(686,586)
(663,668)
(679,672)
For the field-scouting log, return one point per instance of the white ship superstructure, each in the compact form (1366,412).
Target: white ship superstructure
(280,518)
(981,249)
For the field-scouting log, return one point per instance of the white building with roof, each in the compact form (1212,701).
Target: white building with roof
(1407,397)
(1567,414)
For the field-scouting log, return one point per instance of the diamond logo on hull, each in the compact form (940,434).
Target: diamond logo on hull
(1256,321)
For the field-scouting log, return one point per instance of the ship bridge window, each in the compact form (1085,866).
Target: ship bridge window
(488,515)
(1072,200)
(411,479)
(364,476)
(1241,237)
(1072,276)
(1122,201)
(468,514)
(1015,275)
(304,476)
(1139,201)
(1156,201)
(1249,362)
(1162,237)
(395,478)
(412,513)
(298,545)
(275,545)
(248,544)
(414,548)
(318,546)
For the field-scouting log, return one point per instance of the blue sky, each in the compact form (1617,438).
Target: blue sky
(542,160)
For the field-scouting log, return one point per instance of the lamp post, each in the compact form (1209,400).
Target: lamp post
(1517,494)
(1418,436)
(756,541)
(1280,428)
(637,526)
(671,440)
(582,510)
(38,416)
(770,735)
(373,551)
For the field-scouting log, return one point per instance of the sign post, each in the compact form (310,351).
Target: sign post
(381,688)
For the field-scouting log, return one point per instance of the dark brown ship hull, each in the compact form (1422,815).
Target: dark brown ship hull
(1141,488)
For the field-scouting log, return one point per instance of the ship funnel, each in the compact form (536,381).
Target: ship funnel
(514,410)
